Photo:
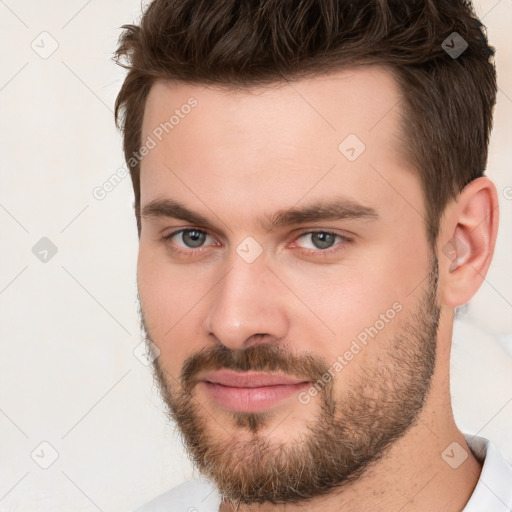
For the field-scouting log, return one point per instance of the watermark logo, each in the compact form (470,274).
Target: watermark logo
(454,455)
(45,45)
(351,147)
(455,250)
(44,455)
(454,45)
(44,250)
(249,249)
(158,132)
(100,192)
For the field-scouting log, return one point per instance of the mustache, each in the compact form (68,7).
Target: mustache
(270,357)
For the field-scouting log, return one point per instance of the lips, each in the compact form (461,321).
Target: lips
(249,391)
(249,379)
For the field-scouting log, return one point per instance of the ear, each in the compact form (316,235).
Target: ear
(466,242)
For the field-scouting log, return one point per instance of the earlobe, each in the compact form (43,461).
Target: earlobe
(467,241)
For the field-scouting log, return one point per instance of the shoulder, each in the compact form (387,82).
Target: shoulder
(197,495)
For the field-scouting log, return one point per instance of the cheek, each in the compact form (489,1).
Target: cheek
(344,298)
(168,299)
(167,291)
(365,300)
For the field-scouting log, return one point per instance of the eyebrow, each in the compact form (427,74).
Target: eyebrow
(332,209)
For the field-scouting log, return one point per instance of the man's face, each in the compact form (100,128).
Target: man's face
(344,306)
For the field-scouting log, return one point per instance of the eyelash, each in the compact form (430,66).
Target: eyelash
(317,252)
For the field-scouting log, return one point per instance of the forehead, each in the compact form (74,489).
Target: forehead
(348,101)
(286,141)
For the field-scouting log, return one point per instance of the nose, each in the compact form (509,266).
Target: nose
(248,305)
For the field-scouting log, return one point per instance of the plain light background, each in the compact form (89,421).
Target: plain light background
(69,326)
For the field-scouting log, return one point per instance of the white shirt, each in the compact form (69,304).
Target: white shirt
(493,492)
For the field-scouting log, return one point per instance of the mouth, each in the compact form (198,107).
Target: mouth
(249,379)
(250,391)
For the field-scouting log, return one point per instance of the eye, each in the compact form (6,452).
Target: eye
(193,241)
(323,242)
(191,238)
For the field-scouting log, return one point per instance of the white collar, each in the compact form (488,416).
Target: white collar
(493,491)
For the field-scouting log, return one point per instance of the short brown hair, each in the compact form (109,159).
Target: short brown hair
(448,101)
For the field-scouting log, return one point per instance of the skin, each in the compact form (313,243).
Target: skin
(238,155)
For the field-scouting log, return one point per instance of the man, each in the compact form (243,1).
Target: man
(311,209)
